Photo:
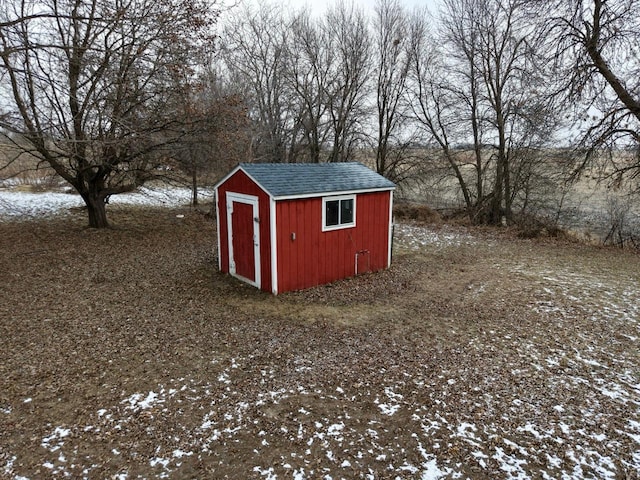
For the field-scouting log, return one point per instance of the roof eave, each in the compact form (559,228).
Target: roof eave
(333,193)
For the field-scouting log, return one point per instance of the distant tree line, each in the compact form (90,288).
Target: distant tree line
(505,100)
(508,98)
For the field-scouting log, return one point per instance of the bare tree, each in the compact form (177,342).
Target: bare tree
(503,55)
(255,51)
(214,131)
(445,102)
(597,54)
(92,83)
(310,63)
(392,48)
(346,29)
(306,80)
(484,89)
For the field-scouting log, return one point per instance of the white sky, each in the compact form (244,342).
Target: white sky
(319,6)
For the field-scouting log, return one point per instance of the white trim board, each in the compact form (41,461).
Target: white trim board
(255,203)
(390,229)
(331,194)
(274,246)
(217,199)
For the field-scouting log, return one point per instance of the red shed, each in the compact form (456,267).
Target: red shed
(289,226)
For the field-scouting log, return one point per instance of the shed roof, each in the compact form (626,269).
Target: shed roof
(290,179)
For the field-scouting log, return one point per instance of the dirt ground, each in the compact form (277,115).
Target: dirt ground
(125,354)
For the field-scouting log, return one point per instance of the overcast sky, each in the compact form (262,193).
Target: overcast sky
(319,6)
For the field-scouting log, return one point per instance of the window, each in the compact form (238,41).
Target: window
(338,212)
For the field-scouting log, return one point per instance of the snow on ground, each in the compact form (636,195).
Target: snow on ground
(416,237)
(14,204)
(573,445)
(342,442)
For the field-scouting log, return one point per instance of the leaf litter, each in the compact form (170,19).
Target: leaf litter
(124,354)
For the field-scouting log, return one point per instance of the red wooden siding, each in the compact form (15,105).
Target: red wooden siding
(315,257)
(239,182)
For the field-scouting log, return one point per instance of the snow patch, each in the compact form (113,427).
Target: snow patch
(15,204)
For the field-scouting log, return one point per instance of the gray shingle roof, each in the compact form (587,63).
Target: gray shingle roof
(284,179)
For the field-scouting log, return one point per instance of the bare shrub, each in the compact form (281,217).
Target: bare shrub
(533,226)
(19,168)
(622,230)
(416,212)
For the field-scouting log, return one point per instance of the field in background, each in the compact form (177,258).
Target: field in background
(588,209)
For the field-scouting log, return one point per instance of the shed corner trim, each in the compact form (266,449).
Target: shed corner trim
(274,245)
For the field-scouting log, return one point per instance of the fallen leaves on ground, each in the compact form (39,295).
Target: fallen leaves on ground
(125,354)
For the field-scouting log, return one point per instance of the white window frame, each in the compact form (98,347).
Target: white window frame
(339,226)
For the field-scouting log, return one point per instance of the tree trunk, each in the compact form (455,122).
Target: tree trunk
(98,215)
(508,213)
(381,157)
(97,210)
(194,188)
(495,207)
(461,181)
(500,212)
(93,194)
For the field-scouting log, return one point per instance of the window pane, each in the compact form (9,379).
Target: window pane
(331,213)
(346,211)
